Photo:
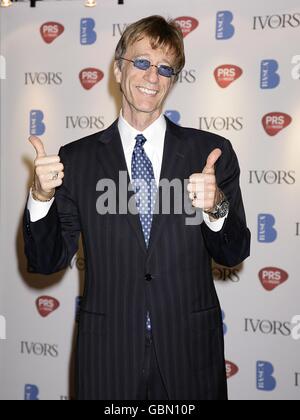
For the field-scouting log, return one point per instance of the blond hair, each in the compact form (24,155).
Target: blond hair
(162,33)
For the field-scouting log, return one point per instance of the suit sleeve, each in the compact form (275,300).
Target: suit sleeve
(231,245)
(51,242)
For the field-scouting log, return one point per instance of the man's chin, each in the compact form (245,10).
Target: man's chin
(147,109)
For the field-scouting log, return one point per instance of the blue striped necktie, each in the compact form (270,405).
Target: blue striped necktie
(144,185)
(145,188)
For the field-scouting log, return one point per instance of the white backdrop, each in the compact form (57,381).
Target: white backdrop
(41,93)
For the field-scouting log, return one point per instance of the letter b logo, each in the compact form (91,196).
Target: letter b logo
(266,231)
(37,127)
(224,27)
(265,380)
(269,78)
(31,393)
(88,35)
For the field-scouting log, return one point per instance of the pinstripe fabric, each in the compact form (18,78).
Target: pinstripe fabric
(185,311)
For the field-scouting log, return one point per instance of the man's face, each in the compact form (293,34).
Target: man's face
(144,90)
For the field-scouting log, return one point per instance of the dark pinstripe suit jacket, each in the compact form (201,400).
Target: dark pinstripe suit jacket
(174,274)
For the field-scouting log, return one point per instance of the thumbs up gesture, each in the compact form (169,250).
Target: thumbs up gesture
(48,172)
(202,188)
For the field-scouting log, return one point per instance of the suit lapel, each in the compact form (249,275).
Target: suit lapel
(172,167)
(111,156)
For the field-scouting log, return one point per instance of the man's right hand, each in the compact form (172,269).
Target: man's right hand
(48,171)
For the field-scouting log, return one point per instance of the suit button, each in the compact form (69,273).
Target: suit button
(226,238)
(148,277)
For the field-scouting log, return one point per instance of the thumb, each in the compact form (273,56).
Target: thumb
(38,145)
(211,161)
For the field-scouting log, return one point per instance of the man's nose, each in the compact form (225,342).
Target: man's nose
(152,75)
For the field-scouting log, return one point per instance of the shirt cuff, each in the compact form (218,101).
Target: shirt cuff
(38,209)
(215,226)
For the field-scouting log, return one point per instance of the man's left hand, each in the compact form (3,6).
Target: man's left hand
(203,188)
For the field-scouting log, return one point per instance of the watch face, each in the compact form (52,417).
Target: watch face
(222,210)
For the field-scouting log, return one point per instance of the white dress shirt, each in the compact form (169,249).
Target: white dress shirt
(154,148)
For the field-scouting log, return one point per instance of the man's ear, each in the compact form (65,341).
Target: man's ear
(117,72)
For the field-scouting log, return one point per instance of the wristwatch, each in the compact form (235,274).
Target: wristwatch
(221,209)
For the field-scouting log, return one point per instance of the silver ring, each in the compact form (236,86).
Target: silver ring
(55,176)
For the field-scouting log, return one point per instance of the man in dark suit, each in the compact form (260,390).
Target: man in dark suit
(150,322)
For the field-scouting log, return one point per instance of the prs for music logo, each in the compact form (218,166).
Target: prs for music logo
(231,369)
(274,122)
(187,24)
(89,77)
(50,31)
(272,277)
(46,305)
(227,74)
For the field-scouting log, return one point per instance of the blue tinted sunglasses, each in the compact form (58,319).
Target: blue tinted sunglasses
(143,64)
